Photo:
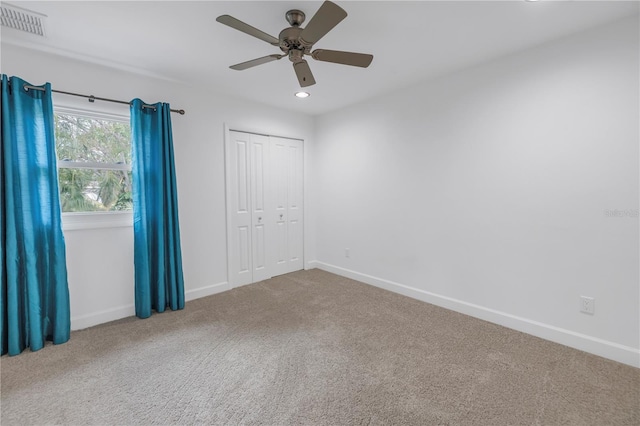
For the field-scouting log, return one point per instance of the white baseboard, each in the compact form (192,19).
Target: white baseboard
(95,318)
(614,351)
(206,291)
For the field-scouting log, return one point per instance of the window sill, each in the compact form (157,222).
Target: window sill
(96,220)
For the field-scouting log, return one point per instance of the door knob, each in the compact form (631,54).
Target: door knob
(280,216)
(259,219)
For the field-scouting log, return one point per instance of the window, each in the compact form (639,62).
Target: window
(94,162)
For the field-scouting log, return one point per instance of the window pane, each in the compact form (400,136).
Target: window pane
(101,145)
(86,190)
(92,140)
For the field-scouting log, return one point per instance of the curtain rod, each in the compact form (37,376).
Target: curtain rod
(94,98)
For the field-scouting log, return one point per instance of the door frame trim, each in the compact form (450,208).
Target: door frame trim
(227,189)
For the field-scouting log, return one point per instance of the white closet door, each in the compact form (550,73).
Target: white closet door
(247,194)
(287,180)
(259,173)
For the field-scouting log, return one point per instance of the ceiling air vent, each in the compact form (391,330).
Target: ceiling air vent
(22,19)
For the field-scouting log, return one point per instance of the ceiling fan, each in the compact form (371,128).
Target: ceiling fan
(296,42)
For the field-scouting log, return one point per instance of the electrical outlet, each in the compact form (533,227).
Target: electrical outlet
(587,305)
(347,252)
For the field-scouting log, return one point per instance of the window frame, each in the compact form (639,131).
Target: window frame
(72,221)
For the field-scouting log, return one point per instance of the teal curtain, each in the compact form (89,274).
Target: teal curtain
(35,295)
(158,260)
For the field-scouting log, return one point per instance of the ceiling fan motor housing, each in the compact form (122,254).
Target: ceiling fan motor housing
(290,41)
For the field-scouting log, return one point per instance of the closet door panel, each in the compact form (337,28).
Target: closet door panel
(239,240)
(287,159)
(279,182)
(259,160)
(294,206)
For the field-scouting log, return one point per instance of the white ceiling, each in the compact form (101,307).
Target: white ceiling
(411,41)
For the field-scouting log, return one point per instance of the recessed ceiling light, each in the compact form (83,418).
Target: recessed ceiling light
(302,94)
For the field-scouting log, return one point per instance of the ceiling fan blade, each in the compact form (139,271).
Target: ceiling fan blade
(247,29)
(328,16)
(346,58)
(255,62)
(305,77)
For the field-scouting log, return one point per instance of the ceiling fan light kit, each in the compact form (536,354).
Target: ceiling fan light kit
(295,42)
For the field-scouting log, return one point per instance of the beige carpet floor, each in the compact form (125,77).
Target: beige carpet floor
(313,348)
